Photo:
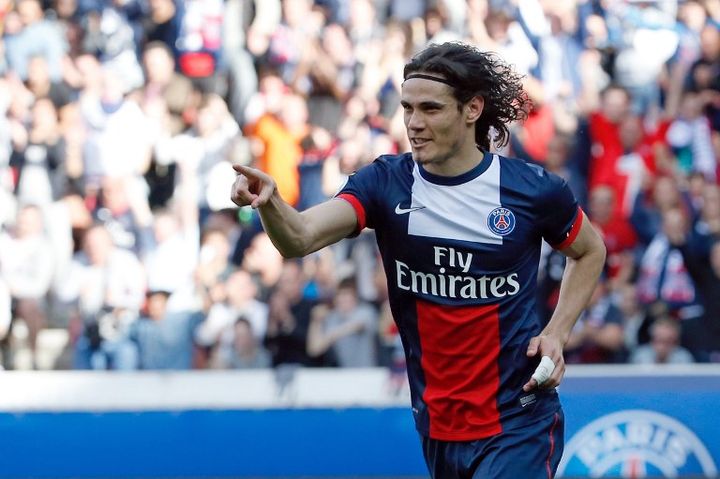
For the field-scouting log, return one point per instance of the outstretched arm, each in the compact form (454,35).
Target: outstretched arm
(292,232)
(586,257)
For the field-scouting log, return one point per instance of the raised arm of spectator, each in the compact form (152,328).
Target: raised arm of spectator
(589,68)
(268,14)
(695,250)
(713,8)
(293,233)
(320,339)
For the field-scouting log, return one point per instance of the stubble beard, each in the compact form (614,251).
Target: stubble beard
(439,159)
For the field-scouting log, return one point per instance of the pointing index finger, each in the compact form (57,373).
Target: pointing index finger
(246,170)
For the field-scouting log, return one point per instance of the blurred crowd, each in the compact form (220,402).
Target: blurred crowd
(121,120)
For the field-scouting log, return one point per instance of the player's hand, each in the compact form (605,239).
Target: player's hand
(251,187)
(550,346)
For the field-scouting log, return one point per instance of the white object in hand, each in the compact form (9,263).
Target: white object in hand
(544,370)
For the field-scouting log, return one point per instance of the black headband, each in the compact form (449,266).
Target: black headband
(429,77)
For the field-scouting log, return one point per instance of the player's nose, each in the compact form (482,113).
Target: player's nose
(415,122)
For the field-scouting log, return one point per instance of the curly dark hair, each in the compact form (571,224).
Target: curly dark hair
(472,72)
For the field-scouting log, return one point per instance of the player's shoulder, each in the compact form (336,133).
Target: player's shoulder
(398,161)
(521,167)
(381,172)
(516,169)
(385,166)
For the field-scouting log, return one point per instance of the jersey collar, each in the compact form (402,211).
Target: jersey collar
(459,179)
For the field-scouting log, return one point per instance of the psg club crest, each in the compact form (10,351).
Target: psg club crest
(501,221)
(636,444)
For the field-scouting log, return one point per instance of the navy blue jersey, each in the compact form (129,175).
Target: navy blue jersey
(461,257)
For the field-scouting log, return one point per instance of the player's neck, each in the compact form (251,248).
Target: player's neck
(467,158)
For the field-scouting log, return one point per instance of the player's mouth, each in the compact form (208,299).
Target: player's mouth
(419,142)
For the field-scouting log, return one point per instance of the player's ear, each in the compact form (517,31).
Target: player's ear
(474,108)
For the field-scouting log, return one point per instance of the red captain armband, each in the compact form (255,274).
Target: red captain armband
(572,234)
(358,207)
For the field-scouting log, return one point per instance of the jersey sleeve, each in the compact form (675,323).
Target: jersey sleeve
(362,190)
(560,215)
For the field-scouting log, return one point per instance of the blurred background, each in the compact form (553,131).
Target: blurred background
(121,253)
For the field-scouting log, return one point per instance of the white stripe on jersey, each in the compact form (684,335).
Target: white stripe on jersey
(458,212)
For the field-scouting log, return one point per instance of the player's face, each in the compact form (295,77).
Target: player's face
(434,122)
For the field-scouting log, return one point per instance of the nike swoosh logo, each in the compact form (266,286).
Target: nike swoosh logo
(402,211)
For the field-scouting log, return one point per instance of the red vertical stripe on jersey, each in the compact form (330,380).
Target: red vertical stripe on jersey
(359,210)
(551,435)
(460,349)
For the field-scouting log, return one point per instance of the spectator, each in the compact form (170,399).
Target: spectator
(240,295)
(26,268)
(164,339)
(497,30)
(436,27)
(213,267)
(377,95)
(299,26)
(65,219)
(42,86)
(106,286)
(268,99)
(119,211)
(558,161)
(317,146)
(162,24)
(348,329)
(162,81)
(110,35)
(551,27)
(323,274)
(604,127)
(701,255)
(326,75)
(531,139)
(69,16)
(238,22)
(634,315)
(289,320)
(264,263)
(664,346)
(598,335)
(652,203)
(703,76)
(35,37)
(38,158)
(662,272)
(648,40)
(171,256)
(199,44)
(690,136)
(279,145)
(203,152)
(709,221)
(112,118)
(244,352)
(617,232)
